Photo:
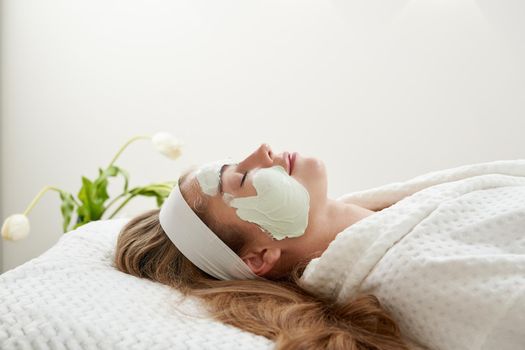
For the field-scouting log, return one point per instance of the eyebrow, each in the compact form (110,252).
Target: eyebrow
(223,168)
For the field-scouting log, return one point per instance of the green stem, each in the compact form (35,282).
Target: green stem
(115,199)
(77,203)
(133,139)
(37,197)
(121,206)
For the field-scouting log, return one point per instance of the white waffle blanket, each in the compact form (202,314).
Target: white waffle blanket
(71,297)
(446,255)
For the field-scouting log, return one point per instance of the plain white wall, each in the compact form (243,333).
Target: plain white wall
(381,91)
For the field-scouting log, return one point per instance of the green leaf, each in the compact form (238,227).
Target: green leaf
(92,195)
(100,191)
(159,190)
(114,171)
(67,207)
(85,196)
(125,175)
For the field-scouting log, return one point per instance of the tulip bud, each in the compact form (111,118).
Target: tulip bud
(15,227)
(167,145)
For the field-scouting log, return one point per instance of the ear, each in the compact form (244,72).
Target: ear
(263,261)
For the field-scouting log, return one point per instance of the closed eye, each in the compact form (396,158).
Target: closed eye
(244,177)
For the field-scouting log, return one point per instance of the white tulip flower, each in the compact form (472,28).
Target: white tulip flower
(167,145)
(15,227)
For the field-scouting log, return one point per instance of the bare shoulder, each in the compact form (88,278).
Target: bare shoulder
(370,208)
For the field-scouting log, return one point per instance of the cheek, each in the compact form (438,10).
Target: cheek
(279,198)
(247,190)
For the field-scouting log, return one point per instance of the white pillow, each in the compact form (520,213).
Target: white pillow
(71,297)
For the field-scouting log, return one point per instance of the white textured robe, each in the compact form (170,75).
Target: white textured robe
(445,254)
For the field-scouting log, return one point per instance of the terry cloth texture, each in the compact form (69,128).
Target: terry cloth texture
(445,254)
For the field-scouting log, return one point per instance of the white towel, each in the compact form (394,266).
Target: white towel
(446,256)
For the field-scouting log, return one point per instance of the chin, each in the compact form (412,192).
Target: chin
(316,166)
(311,172)
(310,164)
(305,165)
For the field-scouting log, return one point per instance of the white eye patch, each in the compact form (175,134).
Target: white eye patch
(208,176)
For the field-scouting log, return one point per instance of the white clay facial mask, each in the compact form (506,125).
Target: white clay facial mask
(208,176)
(280,207)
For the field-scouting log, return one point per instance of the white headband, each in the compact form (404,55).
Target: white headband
(198,243)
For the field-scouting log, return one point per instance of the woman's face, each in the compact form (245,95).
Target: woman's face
(238,181)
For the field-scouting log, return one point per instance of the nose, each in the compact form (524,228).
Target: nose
(261,157)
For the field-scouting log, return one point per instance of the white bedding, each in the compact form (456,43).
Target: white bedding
(71,297)
(446,256)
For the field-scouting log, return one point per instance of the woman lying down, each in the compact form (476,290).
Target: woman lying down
(435,262)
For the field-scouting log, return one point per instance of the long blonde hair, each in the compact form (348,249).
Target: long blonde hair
(279,310)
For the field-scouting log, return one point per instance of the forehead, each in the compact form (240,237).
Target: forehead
(215,204)
(208,176)
(193,193)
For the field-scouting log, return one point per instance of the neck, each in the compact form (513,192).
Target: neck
(334,218)
(340,215)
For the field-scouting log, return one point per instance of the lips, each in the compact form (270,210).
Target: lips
(291,161)
(293,157)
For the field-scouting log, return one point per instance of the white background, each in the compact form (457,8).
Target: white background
(381,91)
